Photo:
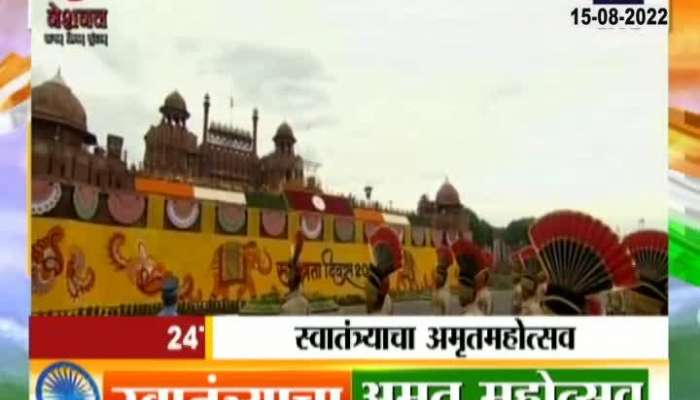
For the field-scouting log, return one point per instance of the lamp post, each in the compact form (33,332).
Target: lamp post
(368,192)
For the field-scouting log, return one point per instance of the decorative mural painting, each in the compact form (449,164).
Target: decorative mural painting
(103,266)
(233,266)
(80,277)
(47,261)
(145,272)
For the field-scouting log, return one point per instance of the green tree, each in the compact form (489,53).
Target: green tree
(516,233)
(482,231)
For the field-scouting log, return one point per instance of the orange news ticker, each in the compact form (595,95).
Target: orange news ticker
(116,382)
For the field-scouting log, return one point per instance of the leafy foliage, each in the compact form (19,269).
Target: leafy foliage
(516,233)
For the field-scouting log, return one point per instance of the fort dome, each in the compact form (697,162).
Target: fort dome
(284,132)
(54,101)
(447,195)
(175,101)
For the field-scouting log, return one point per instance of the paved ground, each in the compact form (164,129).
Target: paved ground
(501,306)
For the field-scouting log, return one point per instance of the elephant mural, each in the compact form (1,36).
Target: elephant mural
(232,268)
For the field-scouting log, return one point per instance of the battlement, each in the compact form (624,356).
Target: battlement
(229,136)
(58,161)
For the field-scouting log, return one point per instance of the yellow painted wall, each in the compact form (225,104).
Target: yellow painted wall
(184,253)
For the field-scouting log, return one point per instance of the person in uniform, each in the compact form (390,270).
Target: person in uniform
(484,299)
(470,261)
(387,255)
(169,294)
(444,302)
(517,297)
(533,282)
(295,302)
(532,302)
(596,304)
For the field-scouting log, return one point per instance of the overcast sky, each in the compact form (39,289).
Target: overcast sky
(523,112)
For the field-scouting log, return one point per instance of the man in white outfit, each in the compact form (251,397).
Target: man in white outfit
(444,302)
(169,296)
(531,303)
(470,261)
(517,296)
(484,299)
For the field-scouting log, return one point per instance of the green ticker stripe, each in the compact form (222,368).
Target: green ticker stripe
(684,250)
(363,379)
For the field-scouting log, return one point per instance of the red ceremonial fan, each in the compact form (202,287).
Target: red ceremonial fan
(386,237)
(649,248)
(581,255)
(470,260)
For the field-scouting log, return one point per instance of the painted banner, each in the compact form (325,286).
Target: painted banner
(81,265)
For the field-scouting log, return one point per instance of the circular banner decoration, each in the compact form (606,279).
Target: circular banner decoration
(45,196)
(418,235)
(183,214)
(274,222)
(344,229)
(231,217)
(312,225)
(318,203)
(85,201)
(126,208)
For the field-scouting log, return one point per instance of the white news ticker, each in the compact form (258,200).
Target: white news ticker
(596,338)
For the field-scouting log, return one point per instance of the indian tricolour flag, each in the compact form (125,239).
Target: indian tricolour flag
(15,90)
